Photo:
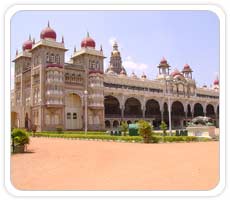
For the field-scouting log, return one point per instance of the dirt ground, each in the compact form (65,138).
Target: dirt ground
(62,164)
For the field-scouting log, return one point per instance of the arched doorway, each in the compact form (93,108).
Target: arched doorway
(132,108)
(153,111)
(14,120)
(210,111)
(73,112)
(107,124)
(198,110)
(26,121)
(115,124)
(166,113)
(112,107)
(178,114)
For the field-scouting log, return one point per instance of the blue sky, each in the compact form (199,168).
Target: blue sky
(144,37)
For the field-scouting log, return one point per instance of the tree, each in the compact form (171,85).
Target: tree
(124,127)
(145,130)
(163,127)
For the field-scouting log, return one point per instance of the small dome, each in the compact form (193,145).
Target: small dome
(187,68)
(48,33)
(133,75)
(88,42)
(176,72)
(216,82)
(27,45)
(163,61)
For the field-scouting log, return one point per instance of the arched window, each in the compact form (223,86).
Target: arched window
(57,59)
(47,57)
(52,58)
(67,76)
(73,78)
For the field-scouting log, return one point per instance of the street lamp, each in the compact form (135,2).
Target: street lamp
(168,82)
(86,116)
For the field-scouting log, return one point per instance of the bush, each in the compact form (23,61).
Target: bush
(145,130)
(19,137)
(163,127)
(156,139)
(59,129)
(124,127)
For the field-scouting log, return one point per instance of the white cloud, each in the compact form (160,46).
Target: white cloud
(133,66)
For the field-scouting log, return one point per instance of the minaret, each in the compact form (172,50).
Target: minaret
(187,71)
(163,68)
(115,64)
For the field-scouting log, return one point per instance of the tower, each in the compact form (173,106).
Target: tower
(47,83)
(187,71)
(163,68)
(92,61)
(22,84)
(115,64)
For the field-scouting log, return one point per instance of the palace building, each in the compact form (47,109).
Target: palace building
(50,92)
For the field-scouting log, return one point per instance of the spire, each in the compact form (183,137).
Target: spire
(33,40)
(48,23)
(101,48)
(87,34)
(62,39)
(74,48)
(29,37)
(16,52)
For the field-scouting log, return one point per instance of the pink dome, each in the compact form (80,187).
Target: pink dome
(27,45)
(88,42)
(48,33)
(163,61)
(176,72)
(216,82)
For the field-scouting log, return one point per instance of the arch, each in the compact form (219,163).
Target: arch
(132,108)
(115,124)
(210,111)
(217,111)
(152,109)
(129,122)
(73,111)
(177,109)
(107,124)
(198,110)
(112,107)
(26,121)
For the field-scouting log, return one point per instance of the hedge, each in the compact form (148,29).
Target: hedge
(154,139)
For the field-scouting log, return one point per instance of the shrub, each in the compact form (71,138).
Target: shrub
(156,139)
(59,129)
(145,130)
(19,137)
(124,127)
(163,127)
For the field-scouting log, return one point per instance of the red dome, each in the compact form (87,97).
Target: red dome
(48,33)
(163,61)
(88,42)
(176,72)
(186,66)
(216,82)
(27,45)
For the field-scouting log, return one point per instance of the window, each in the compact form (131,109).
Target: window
(52,58)
(47,57)
(57,59)
(74,115)
(56,119)
(47,119)
(68,115)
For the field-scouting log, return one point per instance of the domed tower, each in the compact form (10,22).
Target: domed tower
(187,71)
(115,64)
(22,82)
(216,84)
(164,68)
(92,60)
(47,77)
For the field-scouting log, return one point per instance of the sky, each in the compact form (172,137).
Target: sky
(144,37)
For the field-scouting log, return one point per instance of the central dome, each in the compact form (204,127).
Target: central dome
(88,42)
(48,33)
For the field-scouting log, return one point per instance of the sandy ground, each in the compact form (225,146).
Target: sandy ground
(62,164)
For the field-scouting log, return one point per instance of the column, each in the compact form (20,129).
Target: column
(162,115)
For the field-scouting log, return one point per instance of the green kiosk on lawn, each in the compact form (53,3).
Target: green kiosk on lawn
(133,129)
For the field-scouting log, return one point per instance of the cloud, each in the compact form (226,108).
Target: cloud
(131,65)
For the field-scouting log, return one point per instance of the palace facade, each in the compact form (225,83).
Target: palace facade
(50,92)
